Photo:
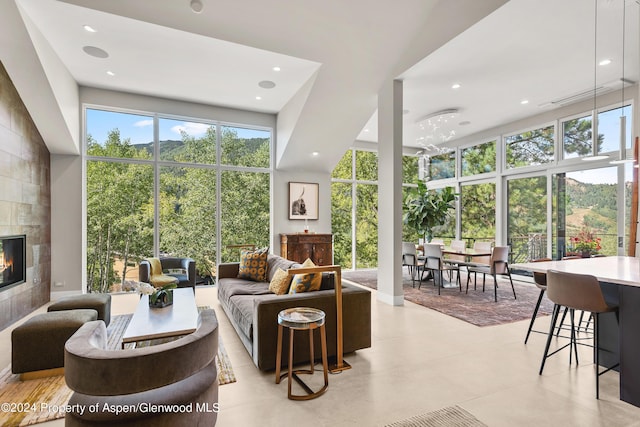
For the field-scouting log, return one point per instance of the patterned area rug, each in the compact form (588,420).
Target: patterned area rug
(453,416)
(35,401)
(476,307)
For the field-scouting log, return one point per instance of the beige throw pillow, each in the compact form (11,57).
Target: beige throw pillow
(280,282)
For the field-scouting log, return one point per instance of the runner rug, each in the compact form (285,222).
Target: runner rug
(453,416)
(476,307)
(30,402)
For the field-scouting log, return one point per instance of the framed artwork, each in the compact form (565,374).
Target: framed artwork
(303,200)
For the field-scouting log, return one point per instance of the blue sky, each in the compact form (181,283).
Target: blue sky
(139,128)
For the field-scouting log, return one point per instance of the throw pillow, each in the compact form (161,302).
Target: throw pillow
(280,283)
(306,282)
(253,265)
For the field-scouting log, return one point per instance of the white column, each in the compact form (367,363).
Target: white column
(390,193)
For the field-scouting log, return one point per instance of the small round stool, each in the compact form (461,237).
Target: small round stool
(302,318)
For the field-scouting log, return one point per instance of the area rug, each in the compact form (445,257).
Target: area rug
(476,307)
(35,401)
(453,416)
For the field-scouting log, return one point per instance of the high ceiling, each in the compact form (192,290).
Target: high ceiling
(334,55)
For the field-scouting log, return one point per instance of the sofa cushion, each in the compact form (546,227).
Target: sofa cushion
(306,282)
(280,283)
(241,307)
(235,286)
(276,262)
(253,265)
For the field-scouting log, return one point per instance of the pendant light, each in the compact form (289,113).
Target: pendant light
(594,135)
(622,155)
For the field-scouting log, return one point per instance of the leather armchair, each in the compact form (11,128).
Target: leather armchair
(186,264)
(181,373)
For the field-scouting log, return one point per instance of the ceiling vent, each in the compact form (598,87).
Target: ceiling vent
(589,94)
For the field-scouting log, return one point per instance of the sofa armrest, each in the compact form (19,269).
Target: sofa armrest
(144,271)
(356,323)
(228,270)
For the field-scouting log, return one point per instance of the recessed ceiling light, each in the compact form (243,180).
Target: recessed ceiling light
(276,68)
(196,6)
(455,86)
(366,130)
(89,28)
(96,52)
(266,84)
(604,62)
(111,73)
(315,154)
(258,98)
(524,101)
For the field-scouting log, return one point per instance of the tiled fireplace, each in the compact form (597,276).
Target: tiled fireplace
(25,203)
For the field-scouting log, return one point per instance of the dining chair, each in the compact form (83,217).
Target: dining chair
(411,261)
(577,292)
(433,262)
(498,265)
(482,260)
(459,246)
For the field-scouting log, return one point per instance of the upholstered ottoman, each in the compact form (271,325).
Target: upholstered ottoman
(38,343)
(99,302)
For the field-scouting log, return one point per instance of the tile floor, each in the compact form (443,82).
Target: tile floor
(420,361)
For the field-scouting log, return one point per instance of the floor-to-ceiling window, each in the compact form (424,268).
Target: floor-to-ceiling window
(354,207)
(171,186)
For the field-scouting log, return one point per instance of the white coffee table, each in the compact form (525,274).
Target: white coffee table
(180,318)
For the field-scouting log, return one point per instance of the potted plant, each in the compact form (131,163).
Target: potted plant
(585,243)
(158,297)
(426,209)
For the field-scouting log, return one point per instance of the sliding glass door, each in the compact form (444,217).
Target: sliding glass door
(527,217)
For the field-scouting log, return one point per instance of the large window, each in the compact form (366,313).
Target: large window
(213,191)
(354,210)
(479,159)
(531,148)
(442,166)
(478,212)
(586,202)
(577,139)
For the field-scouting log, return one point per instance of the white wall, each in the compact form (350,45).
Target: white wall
(280,205)
(67,257)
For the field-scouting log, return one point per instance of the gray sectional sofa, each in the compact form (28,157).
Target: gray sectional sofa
(253,312)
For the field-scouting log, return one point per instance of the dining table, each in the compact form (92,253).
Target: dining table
(469,254)
(619,278)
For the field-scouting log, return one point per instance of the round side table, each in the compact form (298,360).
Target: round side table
(302,318)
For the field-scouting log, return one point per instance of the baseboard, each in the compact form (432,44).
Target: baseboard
(61,294)
(395,300)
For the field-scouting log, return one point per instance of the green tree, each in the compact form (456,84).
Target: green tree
(119,223)
(530,148)
(577,137)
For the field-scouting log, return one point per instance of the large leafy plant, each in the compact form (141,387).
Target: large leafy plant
(426,209)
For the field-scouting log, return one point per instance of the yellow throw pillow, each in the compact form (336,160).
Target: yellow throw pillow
(253,265)
(280,283)
(306,282)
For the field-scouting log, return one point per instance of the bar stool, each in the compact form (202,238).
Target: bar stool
(577,292)
(540,280)
(302,318)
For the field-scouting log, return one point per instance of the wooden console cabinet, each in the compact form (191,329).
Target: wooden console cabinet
(300,246)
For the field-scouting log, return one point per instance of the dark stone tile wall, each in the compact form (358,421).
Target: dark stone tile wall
(25,202)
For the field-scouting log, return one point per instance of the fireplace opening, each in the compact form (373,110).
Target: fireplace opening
(12,260)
